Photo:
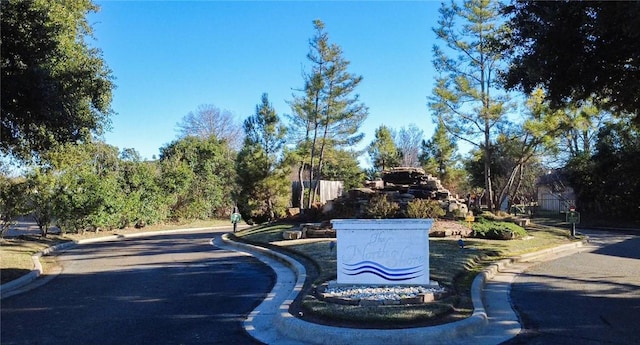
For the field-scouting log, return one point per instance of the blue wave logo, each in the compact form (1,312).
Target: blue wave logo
(386,273)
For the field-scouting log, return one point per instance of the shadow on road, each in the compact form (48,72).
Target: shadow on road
(629,248)
(168,289)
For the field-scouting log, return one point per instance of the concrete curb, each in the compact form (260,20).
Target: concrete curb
(310,333)
(37,266)
(547,254)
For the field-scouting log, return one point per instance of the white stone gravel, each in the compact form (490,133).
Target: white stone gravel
(379,293)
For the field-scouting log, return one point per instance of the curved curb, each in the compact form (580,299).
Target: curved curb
(311,333)
(6,289)
(545,254)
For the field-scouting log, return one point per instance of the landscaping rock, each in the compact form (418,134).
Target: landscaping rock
(419,299)
(370,302)
(291,234)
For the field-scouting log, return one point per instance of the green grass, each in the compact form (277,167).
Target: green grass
(383,316)
(264,233)
(15,254)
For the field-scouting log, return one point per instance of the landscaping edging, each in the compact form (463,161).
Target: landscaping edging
(276,314)
(311,333)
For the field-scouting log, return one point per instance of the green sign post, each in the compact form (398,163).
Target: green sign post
(573,217)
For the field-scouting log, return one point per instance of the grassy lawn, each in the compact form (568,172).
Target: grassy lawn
(452,267)
(16,255)
(16,252)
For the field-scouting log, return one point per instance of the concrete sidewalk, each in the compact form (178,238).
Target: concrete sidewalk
(492,322)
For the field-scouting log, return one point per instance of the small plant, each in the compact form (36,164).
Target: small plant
(380,207)
(424,208)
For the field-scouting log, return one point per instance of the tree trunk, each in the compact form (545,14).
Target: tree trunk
(520,176)
(311,167)
(507,186)
(487,168)
(272,215)
(301,186)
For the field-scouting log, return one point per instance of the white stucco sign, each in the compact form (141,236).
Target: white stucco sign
(383,251)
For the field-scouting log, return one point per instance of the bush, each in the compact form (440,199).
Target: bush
(495,230)
(343,208)
(381,207)
(424,208)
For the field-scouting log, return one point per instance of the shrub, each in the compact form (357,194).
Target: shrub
(424,208)
(496,230)
(343,208)
(381,207)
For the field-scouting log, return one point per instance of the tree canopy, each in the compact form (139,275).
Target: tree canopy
(198,176)
(263,183)
(211,121)
(383,151)
(408,141)
(607,182)
(439,153)
(577,50)
(56,88)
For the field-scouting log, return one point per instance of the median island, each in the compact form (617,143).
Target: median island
(455,258)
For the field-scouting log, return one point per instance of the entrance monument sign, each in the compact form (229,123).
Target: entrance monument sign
(383,251)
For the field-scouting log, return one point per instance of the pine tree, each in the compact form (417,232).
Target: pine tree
(262,176)
(438,153)
(383,151)
(467,96)
(327,114)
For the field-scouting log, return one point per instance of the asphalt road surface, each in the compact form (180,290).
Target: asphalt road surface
(591,297)
(163,289)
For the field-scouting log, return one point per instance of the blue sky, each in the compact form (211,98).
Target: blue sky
(169,57)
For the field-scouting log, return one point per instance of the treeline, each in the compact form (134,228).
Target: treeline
(93,186)
(607,179)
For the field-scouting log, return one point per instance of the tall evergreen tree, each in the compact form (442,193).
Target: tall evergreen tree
(439,153)
(383,151)
(262,174)
(467,94)
(327,113)
(343,166)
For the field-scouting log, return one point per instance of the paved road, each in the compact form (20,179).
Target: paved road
(164,289)
(591,297)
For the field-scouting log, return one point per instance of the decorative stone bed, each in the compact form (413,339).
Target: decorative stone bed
(379,295)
